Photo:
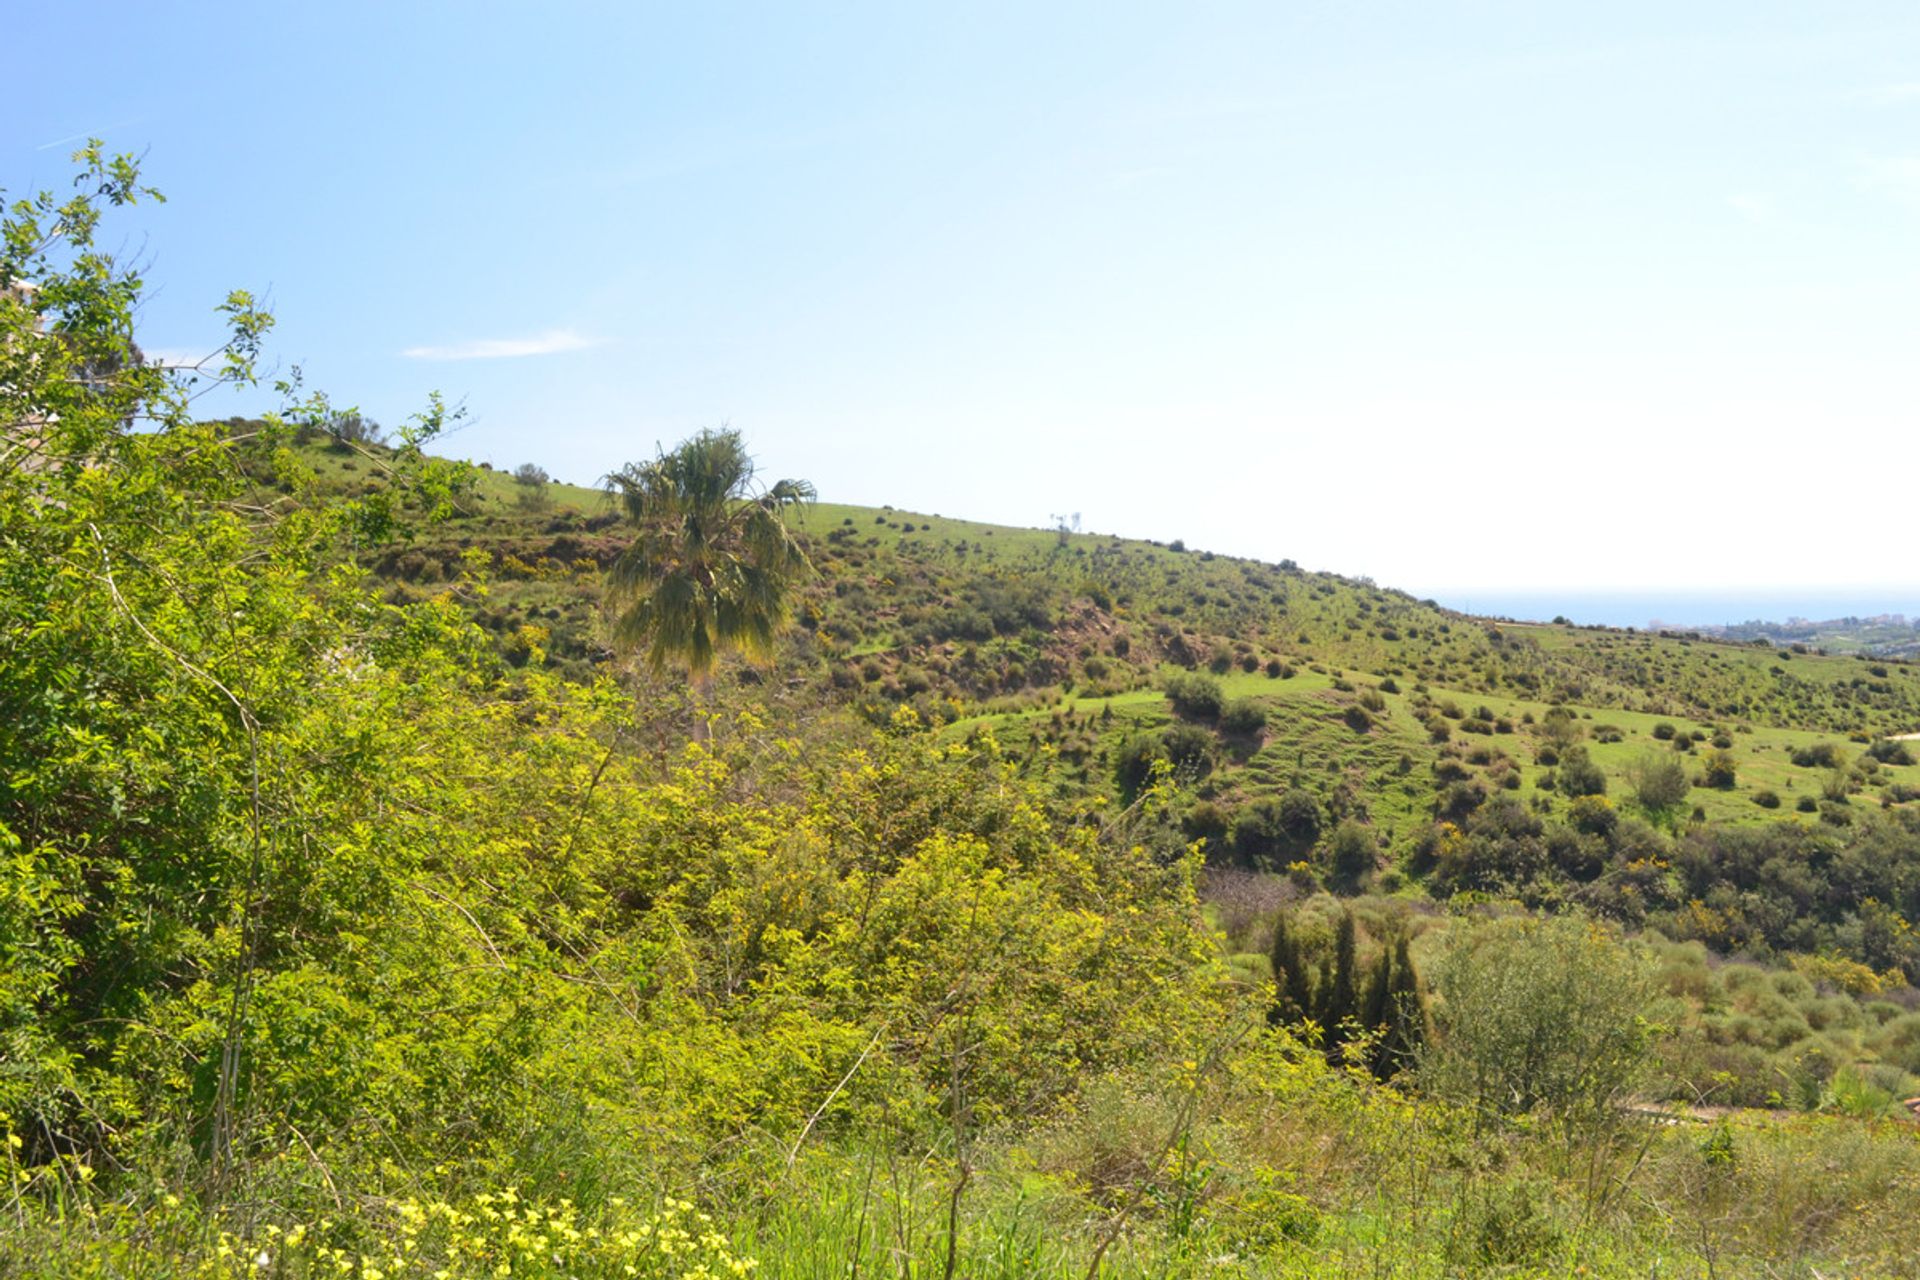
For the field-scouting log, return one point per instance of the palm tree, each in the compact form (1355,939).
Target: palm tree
(712,566)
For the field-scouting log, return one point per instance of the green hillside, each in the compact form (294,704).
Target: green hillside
(1064,641)
(1353,737)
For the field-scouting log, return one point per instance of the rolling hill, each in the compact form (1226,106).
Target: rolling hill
(1063,644)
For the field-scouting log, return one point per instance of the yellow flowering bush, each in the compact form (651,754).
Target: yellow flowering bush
(496,1234)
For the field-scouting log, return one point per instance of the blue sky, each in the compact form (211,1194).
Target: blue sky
(1460,296)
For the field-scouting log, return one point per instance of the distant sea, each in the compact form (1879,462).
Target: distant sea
(1685,608)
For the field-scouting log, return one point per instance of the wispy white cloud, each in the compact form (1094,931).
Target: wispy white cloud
(552,342)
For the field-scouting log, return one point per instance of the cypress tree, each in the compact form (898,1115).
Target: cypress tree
(1375,1009)
(1292,998)
(1406,1014)
(1342,1002)
(1322,993)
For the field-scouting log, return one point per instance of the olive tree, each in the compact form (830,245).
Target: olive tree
(1659,782)
(1540,1015)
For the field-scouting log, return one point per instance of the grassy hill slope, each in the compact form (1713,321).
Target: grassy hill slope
(1062,643)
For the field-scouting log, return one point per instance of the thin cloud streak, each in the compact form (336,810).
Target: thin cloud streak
(183,357)
(89,134)
(549,343)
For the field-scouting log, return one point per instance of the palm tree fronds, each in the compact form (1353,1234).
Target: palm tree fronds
(712,566)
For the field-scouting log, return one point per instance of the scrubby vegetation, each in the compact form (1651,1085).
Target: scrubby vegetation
(1052,905)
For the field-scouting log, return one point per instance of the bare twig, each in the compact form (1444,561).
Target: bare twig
(794,1153)
(1182,1123)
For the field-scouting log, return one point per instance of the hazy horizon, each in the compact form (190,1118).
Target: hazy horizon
(1705,607)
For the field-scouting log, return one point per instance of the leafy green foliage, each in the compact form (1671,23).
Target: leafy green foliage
(1243,716)
(1293,995)
(288,864)
(1270,832)
(1542,1014)
(1720,770)
(1196,696)
(1659,783)
(1579,775)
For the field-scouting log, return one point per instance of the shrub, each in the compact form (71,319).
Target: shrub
(531,476)
(1460,800)
(1560,729)
(1820,755)
(1888,751)
(350,427)
(1243,716)
(1205,821)
(1196,696)
(1540,1014)
(1357,718)
(1133,762)
(1767,799)
(1189,749)
(1720,771)
(1352,854)
(1272,830)
(1663,731)
(1594,815)
(1512,1226)
(1579,775)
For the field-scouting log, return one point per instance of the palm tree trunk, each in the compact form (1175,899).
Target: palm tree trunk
(697,691)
